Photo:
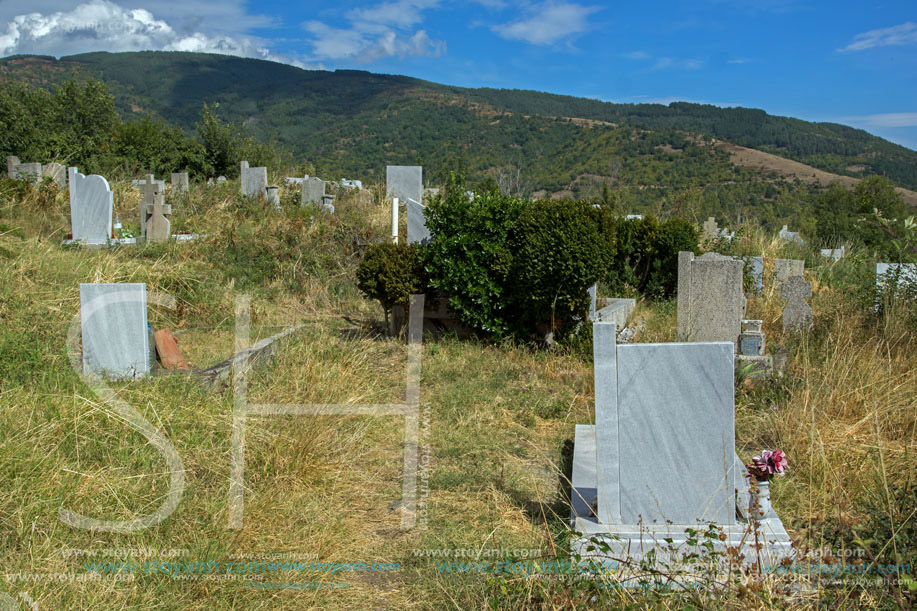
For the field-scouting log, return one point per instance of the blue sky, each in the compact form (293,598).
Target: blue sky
(848,62)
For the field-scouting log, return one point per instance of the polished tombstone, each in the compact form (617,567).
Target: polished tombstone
(711,303)
(91,203)
(404,182)
(417,223)
(661,458)
(115,335)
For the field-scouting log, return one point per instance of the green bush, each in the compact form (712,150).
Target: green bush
(646,259)
(391,273)
(470,256)
(560,248)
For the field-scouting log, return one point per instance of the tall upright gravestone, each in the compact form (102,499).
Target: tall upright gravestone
(417,223)
(253,181)
(154,226)
(91,203)
(711,303)
(179,182)
(11,162)
(404,182)
(115,337)
(313,190)
(660,460)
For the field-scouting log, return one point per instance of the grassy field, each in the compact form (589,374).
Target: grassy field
(496,431)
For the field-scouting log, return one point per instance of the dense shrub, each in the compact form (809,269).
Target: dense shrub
(470,256)
(646,259)
(391,273)
(560,248)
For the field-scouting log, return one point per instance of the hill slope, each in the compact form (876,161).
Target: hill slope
(353,123)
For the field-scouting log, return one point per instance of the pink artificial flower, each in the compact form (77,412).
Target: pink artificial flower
(768,464)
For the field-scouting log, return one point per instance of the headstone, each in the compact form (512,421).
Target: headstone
(835,254)
(755,266)
(27,171)
(404,182)
(791,236)
(711,303)
(253,181)
(711,231)
(616,310)
(57,172)
(221,180)
(273,196)
(797,315)
(91,204)
(751,341)
(179,182)
(351,184)
(154,226)
(115,335)
(593,295)
(313,190)
(293,180)
(417,223)
(328,204)
(11,162)
(661,458)
(785,269)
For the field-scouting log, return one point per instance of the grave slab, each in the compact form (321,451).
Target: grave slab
(91,203)
(417,223)
(115,335)
(404,182)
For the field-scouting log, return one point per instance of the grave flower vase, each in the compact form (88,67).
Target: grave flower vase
(760,499)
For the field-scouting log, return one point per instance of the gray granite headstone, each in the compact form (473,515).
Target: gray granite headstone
(328,204)
(253,181)
(404,182)
(676,433)
(221,180)
(750,346)
(91,203)
(11,162)
(417,222)
(116,341)
(797,315)
(787,268)
(154,226)
(791,236)
(179,182)
(711,302)
(57,172)
(273,196)
(313,190)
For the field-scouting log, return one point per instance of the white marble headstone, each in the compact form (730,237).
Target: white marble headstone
(404,182)
(417,222)
(91,203)
(116,340)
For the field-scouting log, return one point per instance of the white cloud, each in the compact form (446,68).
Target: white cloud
(377,32)
(101,25)
(548,22)
(892,119)
(737,61)
(667,63)
(898,35)
(637,55)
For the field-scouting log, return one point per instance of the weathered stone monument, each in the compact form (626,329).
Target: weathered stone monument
(115,336)
(404,182)
(30,172)
(784,269)
(417,223)
(57,172)
(253,181)
(835,254)
(751,351)
(179,182)
(154,226)
(661,458)
(11,162)
(791,236)
(313,190)
(797,315)
(711,303)
(91,204)
(711,231)
(273,196)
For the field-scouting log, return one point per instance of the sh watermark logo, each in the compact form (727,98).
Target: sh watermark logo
(8,602)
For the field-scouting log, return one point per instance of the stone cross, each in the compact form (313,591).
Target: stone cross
(711,231)
(797,315)
(155,227)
